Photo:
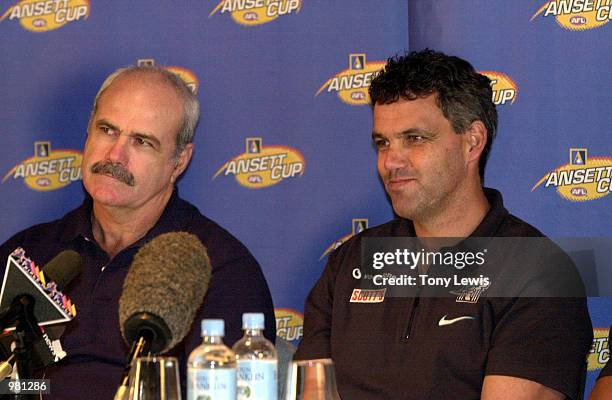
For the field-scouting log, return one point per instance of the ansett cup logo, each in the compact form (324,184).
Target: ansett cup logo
(600,350)
(352,84)
(289,324)
(359,224)
(48,169)
(47,15)
(188,76)
(583,178)
(577,15)
(257,12)
(504,88)
(261,166)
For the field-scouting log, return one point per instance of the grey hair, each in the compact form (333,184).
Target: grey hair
(191,105)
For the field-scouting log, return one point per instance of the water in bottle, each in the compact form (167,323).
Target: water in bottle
(211,368)
(256,361)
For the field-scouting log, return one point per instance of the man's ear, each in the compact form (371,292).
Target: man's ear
(182,161)
(475,140)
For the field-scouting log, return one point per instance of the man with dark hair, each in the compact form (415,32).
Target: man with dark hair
(139,142)
(462,95)
(433,125)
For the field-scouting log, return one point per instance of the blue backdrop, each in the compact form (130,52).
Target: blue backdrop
(286,81)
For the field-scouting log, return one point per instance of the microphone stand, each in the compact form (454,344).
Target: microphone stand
(148,333)
(27,331)
(139,347)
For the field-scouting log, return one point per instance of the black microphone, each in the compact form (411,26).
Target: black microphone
(63,268)
(162,292)
(24,285)
(35,299)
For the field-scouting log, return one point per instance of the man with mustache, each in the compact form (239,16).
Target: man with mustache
(433,125)
(139,142)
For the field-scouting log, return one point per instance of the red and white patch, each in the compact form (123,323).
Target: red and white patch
(368,296)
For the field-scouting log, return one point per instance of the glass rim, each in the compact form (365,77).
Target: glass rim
(156,359)
(315,361)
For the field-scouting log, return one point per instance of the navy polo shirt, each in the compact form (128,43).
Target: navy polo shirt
(96,351)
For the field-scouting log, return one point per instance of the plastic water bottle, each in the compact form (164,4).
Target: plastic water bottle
(257,377)
(211,368)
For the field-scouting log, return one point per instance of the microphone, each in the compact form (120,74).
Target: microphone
(63,268)
(25,285)
(35,300)
(162,292)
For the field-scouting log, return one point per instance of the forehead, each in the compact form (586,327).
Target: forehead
(140,99)
(422,113)
(140,82)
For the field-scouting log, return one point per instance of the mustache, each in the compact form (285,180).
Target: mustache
(115,170)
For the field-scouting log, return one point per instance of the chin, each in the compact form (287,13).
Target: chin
(113,201)
(403,207)
(107,195)
(404,212)
(411,211)
(406,215)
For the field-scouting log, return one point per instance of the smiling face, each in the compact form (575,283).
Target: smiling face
(129,158)
(422,162)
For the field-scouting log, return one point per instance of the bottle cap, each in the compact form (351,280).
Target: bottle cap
(252,321)
(213,327)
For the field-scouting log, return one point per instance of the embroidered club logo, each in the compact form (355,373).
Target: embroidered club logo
(470,294)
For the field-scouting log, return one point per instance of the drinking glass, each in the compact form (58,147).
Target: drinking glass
(154,378)
(312,380)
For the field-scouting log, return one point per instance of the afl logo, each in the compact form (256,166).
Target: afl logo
(583,178)
(48,169)
(47,15)
(577,15)
(257,12)
(351,84)
(262,166)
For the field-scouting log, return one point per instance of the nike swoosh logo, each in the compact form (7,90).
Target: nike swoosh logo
(443,321)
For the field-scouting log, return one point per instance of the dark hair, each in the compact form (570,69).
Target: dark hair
(463,95)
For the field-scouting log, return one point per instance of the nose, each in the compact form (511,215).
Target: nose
(393,157)
(118,151)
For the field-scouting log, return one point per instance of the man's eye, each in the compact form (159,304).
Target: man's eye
(106,130)
(141,142)
(415,138)
(381,143)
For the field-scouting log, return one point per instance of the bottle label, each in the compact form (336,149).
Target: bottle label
(211,384)
(257,379)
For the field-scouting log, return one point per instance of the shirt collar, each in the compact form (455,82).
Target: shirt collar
(487,227)
(77,223)
(494,217)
